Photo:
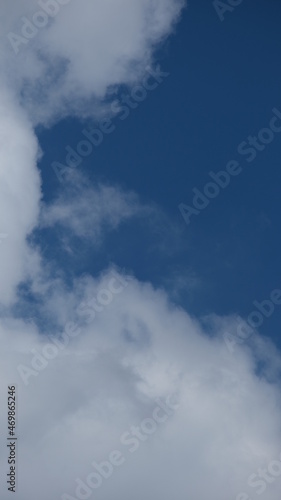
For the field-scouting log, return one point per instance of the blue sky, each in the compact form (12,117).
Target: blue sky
(216,95)
(140,300)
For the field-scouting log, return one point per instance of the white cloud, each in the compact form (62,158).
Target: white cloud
(88,212)
(84,51)
(137,349)
(67,67)
(19,193)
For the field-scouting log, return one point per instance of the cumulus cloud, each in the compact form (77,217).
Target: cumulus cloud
(122,358)
(19,194)
(85,50)
(119,352)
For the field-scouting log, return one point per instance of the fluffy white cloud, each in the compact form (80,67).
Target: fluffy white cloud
(121,359)
(128,347)
(84,51)
(19,194)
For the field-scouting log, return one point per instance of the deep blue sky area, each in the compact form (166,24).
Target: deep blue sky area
(225,79)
